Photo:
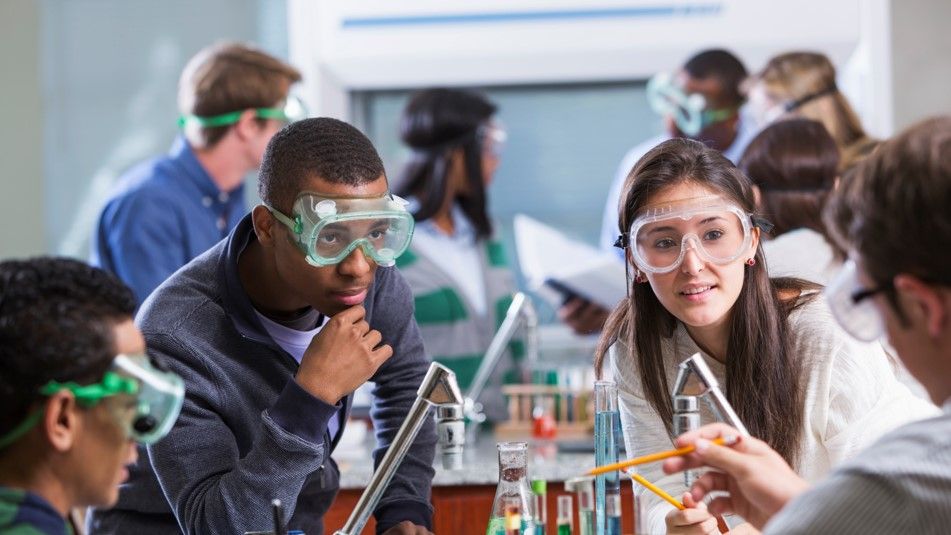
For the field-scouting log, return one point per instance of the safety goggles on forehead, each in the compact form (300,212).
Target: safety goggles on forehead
(660,237)
(688,110)
(292,110)
(851,304)
(154,399)
(328,229)
(493,136)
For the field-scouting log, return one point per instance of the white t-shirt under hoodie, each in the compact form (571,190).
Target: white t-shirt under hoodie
(852,397)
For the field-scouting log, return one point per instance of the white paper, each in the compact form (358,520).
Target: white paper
(549,259)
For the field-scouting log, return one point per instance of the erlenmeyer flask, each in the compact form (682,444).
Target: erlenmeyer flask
(513,484)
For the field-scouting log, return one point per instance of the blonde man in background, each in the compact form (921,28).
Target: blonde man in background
(163,212)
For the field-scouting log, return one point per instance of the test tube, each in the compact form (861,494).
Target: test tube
(639,499)
(540,491)
(583,487)
(565,515)
(607,436)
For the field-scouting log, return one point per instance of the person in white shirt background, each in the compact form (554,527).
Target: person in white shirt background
(692,237)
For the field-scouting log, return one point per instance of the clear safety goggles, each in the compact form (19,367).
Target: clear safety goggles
(493,137)
(851,306)
(145,400)
(688,110)
(292,110)
(766,108)
(328,229)
(717,231)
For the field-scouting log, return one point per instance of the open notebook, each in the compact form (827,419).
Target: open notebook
(558,267)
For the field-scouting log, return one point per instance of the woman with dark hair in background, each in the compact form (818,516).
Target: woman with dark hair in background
(458,272)
(691,236)
(793,165)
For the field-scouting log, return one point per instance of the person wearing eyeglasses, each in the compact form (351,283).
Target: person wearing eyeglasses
(691,232)
(891,215)
(165,211)
(457,267)
(272,330)
(77,392)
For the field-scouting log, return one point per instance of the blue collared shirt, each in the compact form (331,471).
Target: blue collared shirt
(160,215)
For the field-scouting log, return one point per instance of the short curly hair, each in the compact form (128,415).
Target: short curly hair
(57,317)
(320,147)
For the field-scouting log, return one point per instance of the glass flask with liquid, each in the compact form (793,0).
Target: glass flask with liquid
(607,437)
(513,488)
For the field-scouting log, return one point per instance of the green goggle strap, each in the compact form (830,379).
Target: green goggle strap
(715,116)
(86,396)
(295,224)
(231,117)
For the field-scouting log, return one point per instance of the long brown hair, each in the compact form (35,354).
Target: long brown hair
(762,375)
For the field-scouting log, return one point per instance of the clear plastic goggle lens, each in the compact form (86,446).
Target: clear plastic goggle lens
(328,229)
(381,238)
(668,100)
(860,320)
(157,402)
(294,109)
(717,235)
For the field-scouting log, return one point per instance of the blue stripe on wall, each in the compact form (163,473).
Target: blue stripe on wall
(535,16)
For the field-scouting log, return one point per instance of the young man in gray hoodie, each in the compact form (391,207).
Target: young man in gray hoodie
(272,330)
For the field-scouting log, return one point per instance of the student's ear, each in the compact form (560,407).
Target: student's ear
(754,242)
(61,420)
(265,225)
(923,303)
(247,126)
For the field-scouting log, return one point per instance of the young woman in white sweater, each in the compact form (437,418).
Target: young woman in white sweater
(796,381)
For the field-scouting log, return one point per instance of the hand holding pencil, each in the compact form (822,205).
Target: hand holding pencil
(759,481)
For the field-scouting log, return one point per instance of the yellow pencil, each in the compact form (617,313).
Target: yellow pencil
(657,490)
(653,457)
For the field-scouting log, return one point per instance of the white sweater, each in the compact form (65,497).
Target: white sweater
(852,397)
(802,253)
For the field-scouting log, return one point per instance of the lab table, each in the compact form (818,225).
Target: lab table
(462,499)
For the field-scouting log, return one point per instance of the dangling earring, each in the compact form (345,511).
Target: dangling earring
(751,262)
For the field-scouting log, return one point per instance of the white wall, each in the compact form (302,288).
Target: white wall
(22,221)
(921,59)
(380,44)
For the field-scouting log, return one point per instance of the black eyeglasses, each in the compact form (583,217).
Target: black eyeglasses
(861,295)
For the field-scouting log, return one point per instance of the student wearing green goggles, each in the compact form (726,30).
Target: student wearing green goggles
(329,228)
(148,399)
(291,110)
(76,394)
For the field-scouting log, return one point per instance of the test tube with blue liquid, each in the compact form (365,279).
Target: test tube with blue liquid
(607,436)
